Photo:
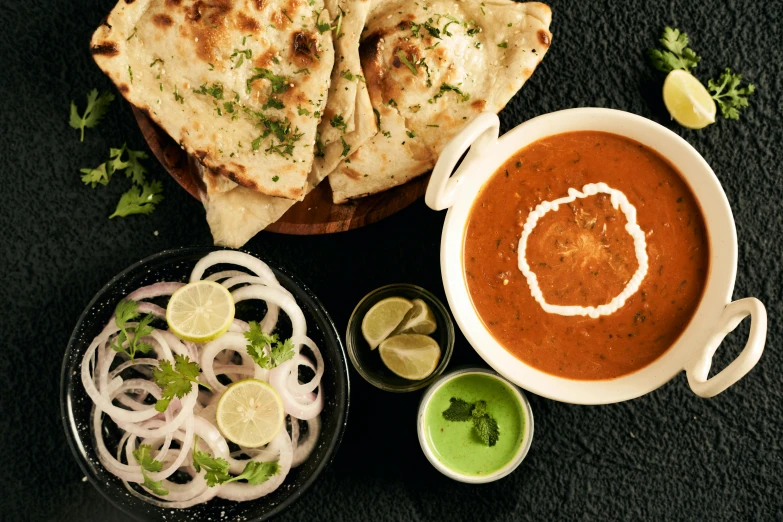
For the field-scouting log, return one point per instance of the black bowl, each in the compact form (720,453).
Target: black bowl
(76,406)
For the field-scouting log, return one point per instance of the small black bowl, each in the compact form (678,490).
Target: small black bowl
(76,406)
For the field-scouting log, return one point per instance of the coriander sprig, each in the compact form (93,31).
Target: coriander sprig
(258,341)
(143,456)
(96,109)
(125,312)
(177,380)
(216,469)
(485,425)
(728,94)
(726,90)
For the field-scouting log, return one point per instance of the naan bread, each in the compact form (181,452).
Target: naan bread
(238,83)
(236,214)
(431,67)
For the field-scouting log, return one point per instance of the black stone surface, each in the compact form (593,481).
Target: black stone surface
(666,456)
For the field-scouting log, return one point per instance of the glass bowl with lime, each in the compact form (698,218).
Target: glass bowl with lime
(400,338)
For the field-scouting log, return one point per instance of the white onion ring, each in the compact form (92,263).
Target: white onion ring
(232,257)
(227,341)
(154,290)
(293,383)
(241,491)
(305,448)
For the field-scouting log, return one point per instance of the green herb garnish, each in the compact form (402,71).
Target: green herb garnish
(96,109)
(675,53)
(147,463)
(407,62)
(177,380)
(346,147)
(339,123)
(486,427)
(139,199)
(258,342)
(125,312)
(279,83)
(215,90)
(729,96)
(216,470)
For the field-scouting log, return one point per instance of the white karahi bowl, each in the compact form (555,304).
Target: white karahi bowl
(715,316)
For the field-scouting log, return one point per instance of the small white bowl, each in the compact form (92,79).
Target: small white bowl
(524,446)
(715,316)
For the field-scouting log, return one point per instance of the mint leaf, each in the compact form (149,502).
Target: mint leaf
(458,410)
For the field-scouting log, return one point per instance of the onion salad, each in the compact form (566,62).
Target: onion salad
(157,453)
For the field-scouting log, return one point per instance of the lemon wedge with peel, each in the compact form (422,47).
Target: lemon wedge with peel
(419,319)
(411,356)
(250,413)
(687,100)
(200,311)
(383,318)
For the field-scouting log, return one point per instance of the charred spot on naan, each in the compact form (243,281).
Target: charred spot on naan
(266,59)
(162,21)
(247,23)
(544,37)
(303,50)
(108,49)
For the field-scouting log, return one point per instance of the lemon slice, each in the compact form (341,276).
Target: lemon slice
(200,311)
(687,100)
(250,413)
(383,318)
(411,356)
(419,319)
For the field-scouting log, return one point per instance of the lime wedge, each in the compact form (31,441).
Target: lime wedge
(419,319)
(411,356)
(383,318)
(200,311)
(250,413)
(687,100)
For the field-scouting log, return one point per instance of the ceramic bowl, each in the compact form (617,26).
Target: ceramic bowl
(715,316)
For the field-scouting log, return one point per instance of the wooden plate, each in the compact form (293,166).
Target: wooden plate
(316,214)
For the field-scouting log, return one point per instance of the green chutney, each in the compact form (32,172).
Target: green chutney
(456,444)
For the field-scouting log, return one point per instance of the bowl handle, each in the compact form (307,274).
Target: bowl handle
(479,134)
(733,314)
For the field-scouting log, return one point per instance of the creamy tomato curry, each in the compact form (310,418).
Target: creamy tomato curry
(582,255)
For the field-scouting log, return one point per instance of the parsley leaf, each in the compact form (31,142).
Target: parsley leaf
(485,425)
(176,380)
(675,55)
(458,410)
(258,341)
(96,109)
(728,94)
(139,200)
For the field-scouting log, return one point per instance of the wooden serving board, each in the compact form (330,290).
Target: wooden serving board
(316,214)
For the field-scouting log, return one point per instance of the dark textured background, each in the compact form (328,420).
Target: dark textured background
(666,456)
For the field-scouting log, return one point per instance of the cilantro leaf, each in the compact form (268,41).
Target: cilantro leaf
(458,410)
(176,381)
(408,64)
(339,123)
(487,429)
(279,83)
(728,94)
(675,55)
(97,176)
(135,170)
(96,109)
(258,341)
(143,456)
(154,485)
(257,472)
(273,103)
(216,468)
(126,311)
(139,201)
